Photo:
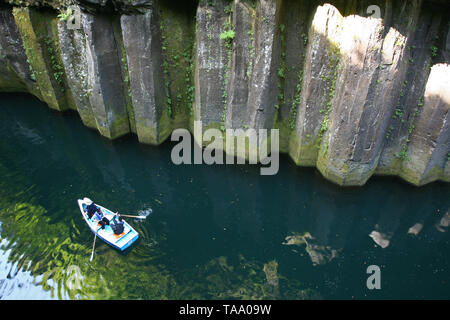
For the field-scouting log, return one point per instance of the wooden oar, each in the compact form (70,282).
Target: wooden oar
(128,216)
(93,247)
(137,217)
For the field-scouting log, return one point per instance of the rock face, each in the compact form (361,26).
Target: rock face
(429,143)
(74,57)
(105,77)
(318,83)
(145,70)
(211,64)
(352,93)
(38,31)
(15,73)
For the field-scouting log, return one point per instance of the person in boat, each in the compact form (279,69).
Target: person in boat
(118,226)
(91,208)
(102,220)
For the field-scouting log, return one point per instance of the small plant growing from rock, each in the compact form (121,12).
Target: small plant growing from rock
(434,51)
(227,9)
(228,36)
(67,15)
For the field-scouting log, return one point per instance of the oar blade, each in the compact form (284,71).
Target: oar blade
(93,247)
(136,217)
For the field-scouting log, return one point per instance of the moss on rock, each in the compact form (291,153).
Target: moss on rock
(38,30)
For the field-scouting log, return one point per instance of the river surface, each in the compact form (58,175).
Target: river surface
(212,232)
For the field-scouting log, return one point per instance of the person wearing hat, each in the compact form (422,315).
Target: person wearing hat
(91,208)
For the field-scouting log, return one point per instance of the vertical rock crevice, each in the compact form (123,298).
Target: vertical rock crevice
(296,19)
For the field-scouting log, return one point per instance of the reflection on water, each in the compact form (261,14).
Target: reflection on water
(16,283)
(211,231)
(444,222)
(381,239)
(415,229)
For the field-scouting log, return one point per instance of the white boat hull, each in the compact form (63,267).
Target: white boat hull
(120,242)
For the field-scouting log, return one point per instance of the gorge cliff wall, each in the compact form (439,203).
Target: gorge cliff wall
(352,94)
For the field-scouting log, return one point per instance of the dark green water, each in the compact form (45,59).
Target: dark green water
(213,231)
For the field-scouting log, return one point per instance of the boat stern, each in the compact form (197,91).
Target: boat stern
(132,239)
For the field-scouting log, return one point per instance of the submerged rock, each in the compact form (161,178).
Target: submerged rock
(271,271)
(319,254)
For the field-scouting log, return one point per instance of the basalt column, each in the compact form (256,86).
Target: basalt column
(142,40)
(105,79)
(74,57)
